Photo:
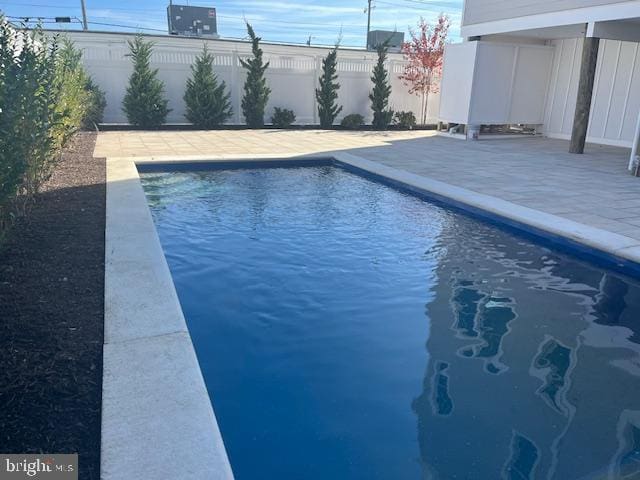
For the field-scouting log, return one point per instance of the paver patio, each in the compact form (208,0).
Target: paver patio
(240,142)
(594,189)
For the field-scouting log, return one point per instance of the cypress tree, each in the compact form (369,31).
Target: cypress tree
(144,102)
(327,94)
(207,101)
(379,96)
(256,92)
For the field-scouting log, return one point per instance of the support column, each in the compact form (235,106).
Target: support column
(585,93)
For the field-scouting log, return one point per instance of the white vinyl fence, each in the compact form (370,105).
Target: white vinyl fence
(292,75)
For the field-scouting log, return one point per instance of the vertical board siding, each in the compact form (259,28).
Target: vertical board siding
(616,94)
(530,80)
(603,90)
(553,85)
(292,75)
(632,106)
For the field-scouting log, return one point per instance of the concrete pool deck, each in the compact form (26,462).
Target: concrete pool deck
(157,416)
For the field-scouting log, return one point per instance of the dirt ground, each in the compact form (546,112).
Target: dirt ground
(52,315)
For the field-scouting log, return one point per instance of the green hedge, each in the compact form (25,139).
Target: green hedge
(44,99)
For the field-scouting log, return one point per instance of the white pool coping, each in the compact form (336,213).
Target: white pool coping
(157,418)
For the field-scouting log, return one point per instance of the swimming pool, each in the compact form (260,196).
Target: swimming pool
(348,330)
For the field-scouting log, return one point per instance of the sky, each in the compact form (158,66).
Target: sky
(290,21)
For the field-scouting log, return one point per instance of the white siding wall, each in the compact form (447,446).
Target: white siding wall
(292,75)
(479,11)
(616,98)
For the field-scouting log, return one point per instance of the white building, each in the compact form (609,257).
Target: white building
(546,63)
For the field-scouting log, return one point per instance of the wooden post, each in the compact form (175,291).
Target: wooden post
(585,93)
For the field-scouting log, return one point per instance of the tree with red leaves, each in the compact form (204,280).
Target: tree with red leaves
(424,53)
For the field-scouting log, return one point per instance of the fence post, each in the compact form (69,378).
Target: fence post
(317,70)
(235,76)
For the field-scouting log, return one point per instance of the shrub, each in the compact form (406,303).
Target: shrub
(73,99)
(405,120)
(55,104)
(379,96)
(256,92)
(43,102)
(64,106)
(81,102)
(15,86)
(282,117)
(144,103)
(95,107)
(327,94)
(33,115)
(353,121)
(207,101)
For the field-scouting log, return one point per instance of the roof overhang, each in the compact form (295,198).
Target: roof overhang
(562,24)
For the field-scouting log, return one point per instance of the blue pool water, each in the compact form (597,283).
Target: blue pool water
(346,330)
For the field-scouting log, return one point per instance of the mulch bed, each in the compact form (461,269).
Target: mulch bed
(52,316)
